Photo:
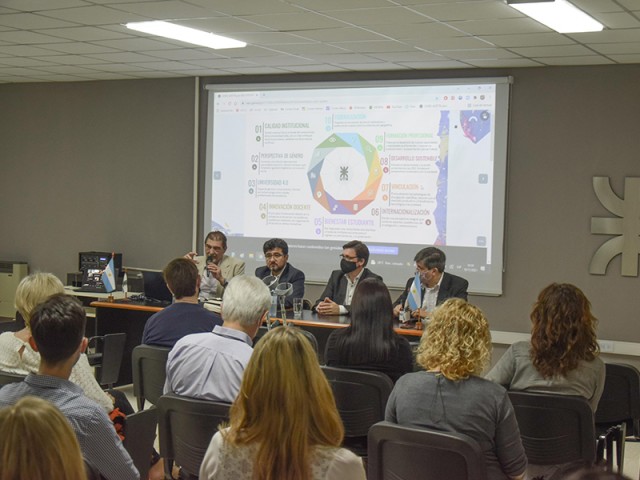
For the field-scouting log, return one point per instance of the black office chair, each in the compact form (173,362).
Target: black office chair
(555,429)
(361,398)
(149,371)
(105,354)
(6,378)
(139,435)
(619,407)
(262,331)
(410,453)
(186,426)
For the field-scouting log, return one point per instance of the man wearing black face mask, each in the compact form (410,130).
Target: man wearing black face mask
(336,298)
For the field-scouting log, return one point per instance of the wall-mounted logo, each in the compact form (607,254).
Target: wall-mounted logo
(626,226)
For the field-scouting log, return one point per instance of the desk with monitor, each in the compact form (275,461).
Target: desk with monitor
(130,318)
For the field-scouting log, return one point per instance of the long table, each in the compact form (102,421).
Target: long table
(130,318)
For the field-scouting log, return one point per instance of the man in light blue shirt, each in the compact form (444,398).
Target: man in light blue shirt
(57,333)
(209,366)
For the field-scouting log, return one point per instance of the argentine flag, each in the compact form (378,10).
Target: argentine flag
(108,277)
(413,299)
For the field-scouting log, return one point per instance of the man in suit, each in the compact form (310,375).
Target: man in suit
(437,285)
(276,254)
(336,298)
(216,268)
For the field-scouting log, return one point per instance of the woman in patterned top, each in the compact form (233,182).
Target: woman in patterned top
(284,424)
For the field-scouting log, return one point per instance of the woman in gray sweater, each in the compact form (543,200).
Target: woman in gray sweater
(451,396)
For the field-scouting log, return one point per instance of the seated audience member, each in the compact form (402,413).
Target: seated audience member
(17,355)
(185,315)
(276,254)
(336,298)
(37,442)
(284,424)
(210,365)
(436,284)
(369,342)
(562,357)
(450,396)
(57,333)
(216,269)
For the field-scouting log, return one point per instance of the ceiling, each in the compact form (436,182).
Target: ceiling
(79,40)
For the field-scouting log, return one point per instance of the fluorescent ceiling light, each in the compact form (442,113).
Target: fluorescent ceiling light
(560,15)
(185,34)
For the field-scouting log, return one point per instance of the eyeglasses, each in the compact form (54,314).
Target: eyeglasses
(348,258)
(276,256)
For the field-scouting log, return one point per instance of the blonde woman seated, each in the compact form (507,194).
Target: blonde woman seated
(449,395)
(284,424)
(37,442)
(562,357)
(17,356)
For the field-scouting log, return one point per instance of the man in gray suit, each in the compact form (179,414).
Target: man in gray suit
(216,268)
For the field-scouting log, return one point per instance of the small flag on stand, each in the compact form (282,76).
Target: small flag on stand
(125,286)
(414,294)
(109,277)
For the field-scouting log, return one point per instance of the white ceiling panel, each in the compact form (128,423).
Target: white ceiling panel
(79,40)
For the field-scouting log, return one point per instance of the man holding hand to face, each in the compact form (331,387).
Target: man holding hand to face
(216,268)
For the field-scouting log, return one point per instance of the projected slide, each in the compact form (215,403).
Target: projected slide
(396,167)
(359,167)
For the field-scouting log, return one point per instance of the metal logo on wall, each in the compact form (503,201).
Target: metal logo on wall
(626,227)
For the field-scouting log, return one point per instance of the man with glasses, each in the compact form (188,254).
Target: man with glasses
(276,254)
(336,298)
(436,284)
(216,268)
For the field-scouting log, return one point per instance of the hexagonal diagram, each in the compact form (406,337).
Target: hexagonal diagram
(344,173)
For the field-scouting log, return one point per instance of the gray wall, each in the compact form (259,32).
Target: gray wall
(104,166)
(108,165)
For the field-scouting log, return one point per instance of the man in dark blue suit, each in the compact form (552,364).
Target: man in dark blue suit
(336,298)
(276,254)
(437,285)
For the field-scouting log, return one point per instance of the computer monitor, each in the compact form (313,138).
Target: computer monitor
(155,287)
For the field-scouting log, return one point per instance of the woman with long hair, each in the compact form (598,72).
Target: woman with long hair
(562,357)
(284,424)
(369,342)
(450,395)
(37,442)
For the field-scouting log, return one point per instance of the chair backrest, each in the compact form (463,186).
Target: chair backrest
(186,426)
(408,453)
(6,378)
(140,433)
(108,356)
(361,397)
(620,401)
(555,429)
(149,366)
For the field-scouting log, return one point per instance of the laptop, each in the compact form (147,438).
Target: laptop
(155,288)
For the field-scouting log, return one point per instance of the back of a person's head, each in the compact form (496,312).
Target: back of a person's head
(245,300)
(370,336)
(37,442)
(563,330)
(57,327)
(35,289)
(286,405)
(181,275)
(456,341)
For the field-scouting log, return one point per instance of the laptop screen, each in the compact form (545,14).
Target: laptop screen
(155,287)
